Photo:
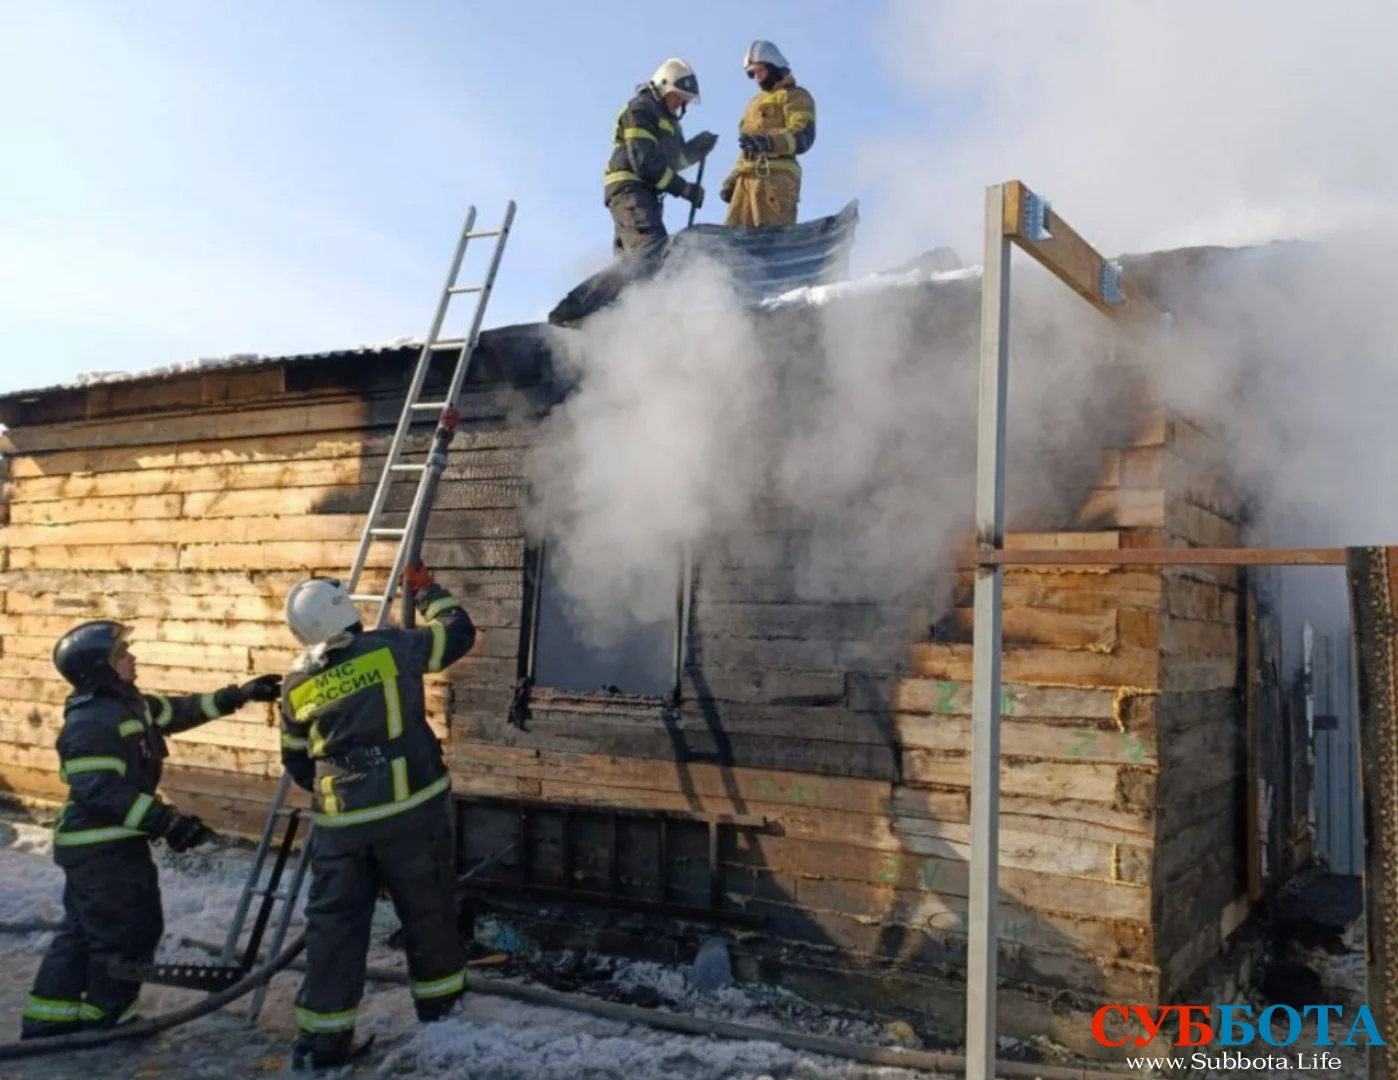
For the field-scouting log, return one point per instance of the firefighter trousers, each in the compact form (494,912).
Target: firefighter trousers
(638,221)
(763,200)
(111,910)
(411,856)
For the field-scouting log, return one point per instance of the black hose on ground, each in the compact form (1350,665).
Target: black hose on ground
(87,1040)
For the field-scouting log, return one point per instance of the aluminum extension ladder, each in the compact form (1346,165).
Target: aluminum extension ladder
(409,536)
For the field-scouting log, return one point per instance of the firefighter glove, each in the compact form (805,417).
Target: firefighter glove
(695,194)
(726,191)
(754,145)
(186,831)
(701,146)
(262,688)
(417,577)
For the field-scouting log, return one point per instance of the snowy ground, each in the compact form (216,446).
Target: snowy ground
(492,1039)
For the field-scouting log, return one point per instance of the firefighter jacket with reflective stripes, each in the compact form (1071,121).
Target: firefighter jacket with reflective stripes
(354,732)
(786,115)
(648,148)
(111,753)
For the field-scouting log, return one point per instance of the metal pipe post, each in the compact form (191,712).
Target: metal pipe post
(981,953)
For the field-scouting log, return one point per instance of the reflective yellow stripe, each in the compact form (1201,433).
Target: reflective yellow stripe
(292,742)
(665,178)
(794,115)
(51,1009)
(209,707)
(167,711)
(84,837)
(400,778)
(91,764)
(439,646)
(327,795)
(317,741)
(621,176)
(452,984)
(393,705)
(131,727)
(446,603)
(90,1012)
(137,813)
(342,681)
(387,810)
(748,167)
(637,133)
(316,1022)
(665,125)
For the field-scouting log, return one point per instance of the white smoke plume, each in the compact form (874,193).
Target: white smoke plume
(1150,126)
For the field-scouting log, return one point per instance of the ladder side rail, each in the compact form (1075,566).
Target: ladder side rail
(405,419)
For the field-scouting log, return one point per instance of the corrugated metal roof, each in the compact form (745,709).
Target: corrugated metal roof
(761,262)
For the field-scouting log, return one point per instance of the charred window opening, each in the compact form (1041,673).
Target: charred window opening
(567,652)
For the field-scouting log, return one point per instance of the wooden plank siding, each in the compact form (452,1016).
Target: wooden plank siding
(844,727)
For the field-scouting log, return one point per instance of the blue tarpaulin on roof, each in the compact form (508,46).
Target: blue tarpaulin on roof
(762,262)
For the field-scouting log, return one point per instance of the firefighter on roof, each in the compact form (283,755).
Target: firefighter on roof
(778,126)
(355,734)
(110,752)
(648,154)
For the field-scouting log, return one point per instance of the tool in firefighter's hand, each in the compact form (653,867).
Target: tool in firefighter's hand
(186,831)
(262,688)
(699,184)
(754,146)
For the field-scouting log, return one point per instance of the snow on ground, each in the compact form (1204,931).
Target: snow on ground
(489,1039)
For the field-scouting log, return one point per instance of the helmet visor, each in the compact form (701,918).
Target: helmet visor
(688,85)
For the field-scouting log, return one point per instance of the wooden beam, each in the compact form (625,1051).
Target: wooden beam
(1157,557)
(1251,697)
(1069,257)
(1373,583)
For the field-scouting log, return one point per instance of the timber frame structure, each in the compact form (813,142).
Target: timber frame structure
(1016,215)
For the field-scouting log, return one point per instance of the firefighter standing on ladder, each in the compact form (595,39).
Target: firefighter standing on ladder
(355,734)
(111,752)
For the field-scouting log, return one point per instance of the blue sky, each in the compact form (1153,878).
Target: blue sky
(198,179)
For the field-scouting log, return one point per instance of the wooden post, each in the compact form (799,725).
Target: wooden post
(1373,584)
(1253,756)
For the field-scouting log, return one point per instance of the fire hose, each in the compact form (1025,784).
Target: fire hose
(86,1040)
(607,1010)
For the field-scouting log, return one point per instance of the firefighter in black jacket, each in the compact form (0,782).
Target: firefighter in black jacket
(110,752)
(355,734)
(648,153)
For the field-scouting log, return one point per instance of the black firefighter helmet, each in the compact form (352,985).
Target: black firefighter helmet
(83,655)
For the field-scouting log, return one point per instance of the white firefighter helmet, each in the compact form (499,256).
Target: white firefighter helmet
(319,608)
(676,75)
(764,52)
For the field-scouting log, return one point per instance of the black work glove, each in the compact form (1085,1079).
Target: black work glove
(726,191)
(262,688)
(701,146)
(693,193)
(186,831)
(754,145)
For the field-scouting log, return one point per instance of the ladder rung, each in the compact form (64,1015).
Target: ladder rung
(388,532)
(449,343)
(483,234)
(458,290)
(435,406)
(407,468)
(366,598)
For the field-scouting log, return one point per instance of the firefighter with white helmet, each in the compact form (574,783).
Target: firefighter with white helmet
(649,152)
(355,734)
(778,126)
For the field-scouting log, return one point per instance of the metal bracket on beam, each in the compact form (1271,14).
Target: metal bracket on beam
(1036,214)
(1111,284)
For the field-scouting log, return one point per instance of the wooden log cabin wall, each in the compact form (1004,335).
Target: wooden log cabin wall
(808,787)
